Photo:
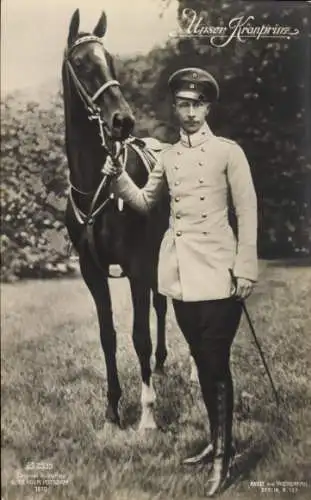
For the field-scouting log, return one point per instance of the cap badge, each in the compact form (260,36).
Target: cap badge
(194,75)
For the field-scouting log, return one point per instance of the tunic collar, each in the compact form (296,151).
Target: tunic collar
(192,140)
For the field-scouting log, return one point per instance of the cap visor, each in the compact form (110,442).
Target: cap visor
(189,94)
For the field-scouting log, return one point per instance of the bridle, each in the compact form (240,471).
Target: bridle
(93,113)
(115,149)
(92,109)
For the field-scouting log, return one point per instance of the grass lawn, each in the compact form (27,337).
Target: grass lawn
(54,386)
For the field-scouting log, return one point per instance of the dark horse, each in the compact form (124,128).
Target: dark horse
(99,122)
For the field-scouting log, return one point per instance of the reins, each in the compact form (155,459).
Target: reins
(120,149)
(93,111)
(146,157)
(88,220)
(93,212)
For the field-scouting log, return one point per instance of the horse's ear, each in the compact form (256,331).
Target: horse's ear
(74,26)
(101,26)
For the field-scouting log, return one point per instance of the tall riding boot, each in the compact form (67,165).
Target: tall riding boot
(204,454)
(222,440)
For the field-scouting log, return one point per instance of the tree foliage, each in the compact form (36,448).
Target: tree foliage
(264,105)
(33,188)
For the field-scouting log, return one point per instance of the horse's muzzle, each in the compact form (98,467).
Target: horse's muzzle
(122,125)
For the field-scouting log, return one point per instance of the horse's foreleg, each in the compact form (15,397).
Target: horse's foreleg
(160,306)
(98,286)
(143,348)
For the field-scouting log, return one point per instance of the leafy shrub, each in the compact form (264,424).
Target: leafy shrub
(33,240)
(263,106)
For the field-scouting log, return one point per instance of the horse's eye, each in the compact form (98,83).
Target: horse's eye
(78,62)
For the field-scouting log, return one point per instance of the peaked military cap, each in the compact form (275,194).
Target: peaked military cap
(194,83)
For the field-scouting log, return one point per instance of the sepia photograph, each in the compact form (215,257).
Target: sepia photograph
(155,250)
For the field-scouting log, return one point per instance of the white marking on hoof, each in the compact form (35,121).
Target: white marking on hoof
(148,395)
(148,398)
(147,421)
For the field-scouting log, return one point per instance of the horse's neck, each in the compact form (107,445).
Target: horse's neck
(85,154)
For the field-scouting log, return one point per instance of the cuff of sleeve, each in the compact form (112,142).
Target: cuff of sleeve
(246,264)
(121,184)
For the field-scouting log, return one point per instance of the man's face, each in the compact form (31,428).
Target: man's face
(191,113)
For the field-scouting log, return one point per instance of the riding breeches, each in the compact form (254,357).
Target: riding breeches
(209,327)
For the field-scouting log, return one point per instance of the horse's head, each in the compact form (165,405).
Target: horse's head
(93,76)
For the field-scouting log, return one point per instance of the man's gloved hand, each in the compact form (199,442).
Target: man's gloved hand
(114,169)
(242,288)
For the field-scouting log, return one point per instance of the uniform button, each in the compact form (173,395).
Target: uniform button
(177,198)
(200,164)
(202,197)
(178,216)
(177,183)
(203,150)
(178,233)
(176,167)
(205,233)
(204,215)
(179,153)
(201,181)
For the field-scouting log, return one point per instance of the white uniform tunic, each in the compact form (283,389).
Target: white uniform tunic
(199,247)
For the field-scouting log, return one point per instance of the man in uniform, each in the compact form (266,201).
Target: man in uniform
(200,256)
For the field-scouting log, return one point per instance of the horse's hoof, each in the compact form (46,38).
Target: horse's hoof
(147,422)
(147,426)
(107,431)
(112,417)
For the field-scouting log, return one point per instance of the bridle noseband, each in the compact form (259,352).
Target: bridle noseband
(92,109)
